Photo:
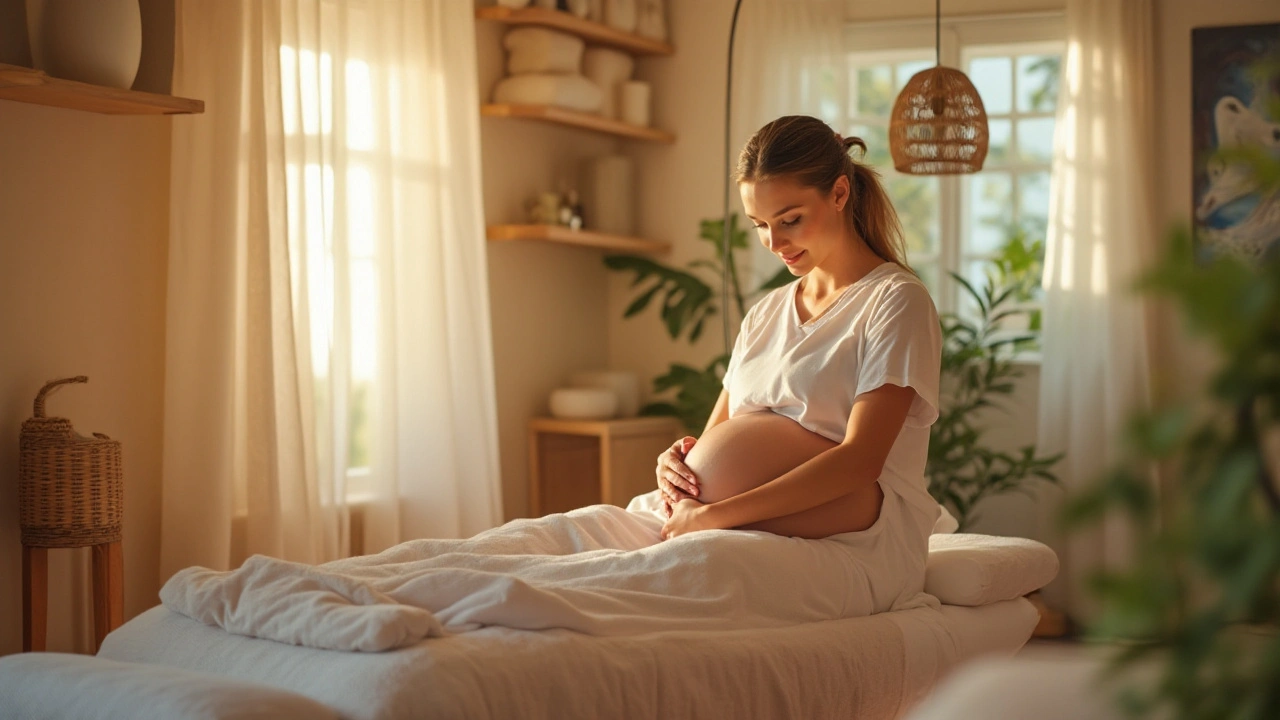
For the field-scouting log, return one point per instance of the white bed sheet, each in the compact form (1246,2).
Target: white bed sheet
(870,667)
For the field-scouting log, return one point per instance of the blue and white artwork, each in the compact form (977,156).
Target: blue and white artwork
(1235,89)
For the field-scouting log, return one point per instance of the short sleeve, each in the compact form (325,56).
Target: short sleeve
(739,344)
(903,347)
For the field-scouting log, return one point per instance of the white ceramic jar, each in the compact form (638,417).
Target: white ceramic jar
(92,41)
(624,385)
(583,403)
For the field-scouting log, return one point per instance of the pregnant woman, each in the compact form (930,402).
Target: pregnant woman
(822,428)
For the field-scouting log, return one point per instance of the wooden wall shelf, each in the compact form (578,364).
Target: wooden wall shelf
(592,32)
(574,118)
(584,238)
(34,86)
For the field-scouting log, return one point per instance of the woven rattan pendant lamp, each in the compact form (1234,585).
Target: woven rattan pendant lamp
(938,125)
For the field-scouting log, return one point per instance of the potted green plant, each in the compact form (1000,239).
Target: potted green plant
(979,367)
(685,303)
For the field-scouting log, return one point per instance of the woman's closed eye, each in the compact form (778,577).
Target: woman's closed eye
(785,223)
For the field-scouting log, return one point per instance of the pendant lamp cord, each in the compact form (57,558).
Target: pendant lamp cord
(726,258)
(937,32)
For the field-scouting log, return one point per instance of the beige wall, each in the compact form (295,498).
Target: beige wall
(82,285)
(863,11)
(83,250)
(549,314)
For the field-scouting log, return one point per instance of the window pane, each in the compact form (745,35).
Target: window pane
(1000,138)
(1033,203)
(975,271)
(1035,139)
(906,70)
(360,211)
(360,432)
(877,139)
(1038,82)
(928,273)
(916,200)
(875,90)
(993,77)
(364,358)
(990,211)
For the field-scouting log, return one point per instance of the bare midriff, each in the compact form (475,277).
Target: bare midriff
(749,450)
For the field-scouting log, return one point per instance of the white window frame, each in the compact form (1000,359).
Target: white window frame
(962,38)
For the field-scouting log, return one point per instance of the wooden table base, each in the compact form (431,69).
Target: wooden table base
(108,594)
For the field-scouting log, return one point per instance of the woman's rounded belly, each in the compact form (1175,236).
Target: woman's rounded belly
(748,451)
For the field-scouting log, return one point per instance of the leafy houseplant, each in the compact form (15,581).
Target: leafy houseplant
(977,362)
(1203,594)
(978,369)
(686,303)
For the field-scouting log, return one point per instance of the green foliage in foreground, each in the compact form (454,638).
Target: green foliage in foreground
(1203,599)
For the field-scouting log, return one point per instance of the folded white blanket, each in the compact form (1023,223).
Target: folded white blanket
(599,570)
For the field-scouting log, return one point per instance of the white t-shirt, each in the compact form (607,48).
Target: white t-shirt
(883,329)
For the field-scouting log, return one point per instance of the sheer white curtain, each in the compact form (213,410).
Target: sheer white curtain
(328,324)
(789,59)
(1096,366)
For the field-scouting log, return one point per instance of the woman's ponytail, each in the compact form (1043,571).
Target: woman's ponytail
(872,214)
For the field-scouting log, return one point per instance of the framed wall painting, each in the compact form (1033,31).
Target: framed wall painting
(1235,98)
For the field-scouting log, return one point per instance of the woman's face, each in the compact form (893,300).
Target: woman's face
(803,226)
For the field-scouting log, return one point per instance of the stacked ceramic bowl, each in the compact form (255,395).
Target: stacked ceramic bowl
(597,395)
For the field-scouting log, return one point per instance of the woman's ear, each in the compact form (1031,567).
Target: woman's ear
(840,192)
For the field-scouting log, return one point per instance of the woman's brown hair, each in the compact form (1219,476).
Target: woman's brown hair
(807,150)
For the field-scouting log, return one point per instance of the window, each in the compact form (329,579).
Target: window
(958,223)
(333,223)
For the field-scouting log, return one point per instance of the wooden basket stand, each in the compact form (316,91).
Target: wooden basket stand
(70,494)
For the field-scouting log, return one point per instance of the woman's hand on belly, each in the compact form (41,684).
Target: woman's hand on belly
(687,516)
(675,479)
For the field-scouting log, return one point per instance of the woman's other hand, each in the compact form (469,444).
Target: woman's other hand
(676,481)
(687,515)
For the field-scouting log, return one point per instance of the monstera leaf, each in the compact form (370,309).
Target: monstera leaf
(686,301)
(697,392)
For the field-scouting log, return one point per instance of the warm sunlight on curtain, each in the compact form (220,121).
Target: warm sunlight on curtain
(328,331)
(1096,366)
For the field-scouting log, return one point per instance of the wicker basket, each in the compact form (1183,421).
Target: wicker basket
(70,489)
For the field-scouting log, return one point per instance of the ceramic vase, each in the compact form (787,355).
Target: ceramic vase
(92,41)
(633,102)
(608,194)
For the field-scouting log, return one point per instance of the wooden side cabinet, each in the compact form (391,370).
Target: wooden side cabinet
(575,463)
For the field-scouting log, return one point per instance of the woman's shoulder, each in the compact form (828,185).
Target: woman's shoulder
(900,285)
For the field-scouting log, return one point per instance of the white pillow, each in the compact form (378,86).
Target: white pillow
(971,570)
(34,686)
(537,50)
(570,91)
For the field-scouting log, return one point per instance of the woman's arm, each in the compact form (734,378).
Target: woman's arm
(873,427)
